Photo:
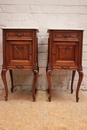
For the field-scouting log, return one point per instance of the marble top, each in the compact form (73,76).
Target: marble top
(65,29)
(21,28)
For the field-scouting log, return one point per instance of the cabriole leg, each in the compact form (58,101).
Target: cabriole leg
(3,75)
(49,84)
(11,75)
(73,76)
(34,84)
(79,83)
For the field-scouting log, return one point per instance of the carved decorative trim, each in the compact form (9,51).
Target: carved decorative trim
(66,35)
(80,68)
(49,67)
(4,66)
(19,34)
(19,49)
(36,68)
(66,49)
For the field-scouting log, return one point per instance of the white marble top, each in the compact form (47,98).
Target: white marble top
(65,29)
(20,28)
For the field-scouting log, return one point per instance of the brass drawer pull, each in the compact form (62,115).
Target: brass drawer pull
(19,34)
(19,67)
(54,52)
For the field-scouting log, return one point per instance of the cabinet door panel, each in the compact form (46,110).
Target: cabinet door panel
(65,53)
(20,53)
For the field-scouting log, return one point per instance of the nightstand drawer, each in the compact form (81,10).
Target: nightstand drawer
(19,35)
(63,36)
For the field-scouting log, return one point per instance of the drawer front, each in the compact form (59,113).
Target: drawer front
(19,35)
(64,53)
(63,36)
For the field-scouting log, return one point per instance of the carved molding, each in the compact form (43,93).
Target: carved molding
(66,35)
(49,67)
(80,68)
(4,66)
(36,68)
(19,48)
(66,49)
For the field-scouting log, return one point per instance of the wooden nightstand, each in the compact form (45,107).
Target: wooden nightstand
(65,53)
(20,52)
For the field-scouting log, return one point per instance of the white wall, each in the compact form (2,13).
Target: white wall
(44,14)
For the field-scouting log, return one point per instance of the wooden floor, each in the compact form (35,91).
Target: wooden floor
(62,113)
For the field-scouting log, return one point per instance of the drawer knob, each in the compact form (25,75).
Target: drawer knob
(30,52)
(54,52)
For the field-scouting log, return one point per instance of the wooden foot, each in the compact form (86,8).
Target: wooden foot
(49,98)
(34,99)
(77,99)
(6,98)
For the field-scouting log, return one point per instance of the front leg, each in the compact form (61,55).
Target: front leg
(3,75)
(79,83)
(48,73)
(34,84)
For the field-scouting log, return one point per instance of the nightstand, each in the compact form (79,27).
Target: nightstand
(65,53)
(20,52)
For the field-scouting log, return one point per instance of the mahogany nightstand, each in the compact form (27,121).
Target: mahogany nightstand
(65,53)
(20,52)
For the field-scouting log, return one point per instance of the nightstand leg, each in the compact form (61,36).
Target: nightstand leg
(49,85)
(79,83)
(11,75)
(34,84)
(3,75)
(73,76)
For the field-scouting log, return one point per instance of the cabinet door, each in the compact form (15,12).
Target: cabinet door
(65,53)
(19,52)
